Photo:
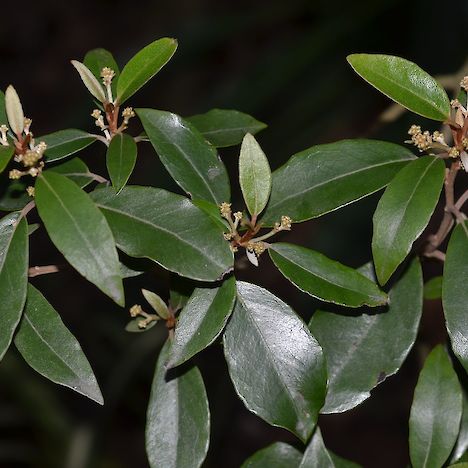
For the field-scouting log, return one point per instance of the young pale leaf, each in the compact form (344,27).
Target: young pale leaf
(14,110)
(224,128)
(191,161)
(254,175)
(316,454)
(133,326)
(97,59)
(404,82)
(436,412)
(121,159)
(362,351)
(326,177)
(152,223)
(156,303)
(202,320)
(65,143)
(277,455)
(178,417)
(14,259)
(80,231)
(75,169)
(324,278)
(143,66)
(404,211)
(276,365)
(454,292)
(90,81)
(6,153)
(50,349)
(433,288)
(3,116)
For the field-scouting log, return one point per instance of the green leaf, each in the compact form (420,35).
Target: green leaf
(435,413)
(14,257)
(13,195)
(326,177)
(316,454)
(167,228)
(404,211)
(93,85)
(454,292)
(254,175)
(404,82)
(97,59)
(181,290)
(121,158)
(6,153)
(3,116)
(277,455)
(202,320)
(324,278)
(133,327)
(212,211)
(362,351)
(50,349)
(143,66)
(433,288)
(276,365)
(191,161)
(178,417)
(80,231)
(158,305)
(75,169)
(65,143)
(461,446)
(222,127)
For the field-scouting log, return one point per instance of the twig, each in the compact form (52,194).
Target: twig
(30,206)
(43,270)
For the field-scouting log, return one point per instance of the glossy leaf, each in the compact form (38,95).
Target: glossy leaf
(191,161)
(404,82)
(326,177)
(404,211)
(254,175)
(75,169)
(14,110)
(6,153)
(277,455)
(3,116)
(65,143)
(433,288)
(435,413)
(121,159)
(212,211)
(461,446)
(155,301)
(167,228)
(276,365)
(50,349)
(178,417)
(143,66)
(222,127)
(80,231)
(324,278)
(13,275)
(455,294)
(97,59)
(362,351)
(202,320)
(316,454)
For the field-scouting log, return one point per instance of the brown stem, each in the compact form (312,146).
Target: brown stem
(461,201)
(43,270)
(30,206)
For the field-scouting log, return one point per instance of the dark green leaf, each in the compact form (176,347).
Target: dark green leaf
(49,348)
(435,413)
(212,211)
(13,195)
(404,211)
(455,293)
(323,278)
(326,177)
(65,143)
(277,455)
(143,66)
(191,161)
(433,288)
(167,228)
(80,231)
(254,175)
(121,159)
(202,320)
(13,275)
(316,454)
(222,127)
(97,59)
(362,351)
(276,365)
(181,290)
(6,153)
(178,417)
(404,82)
(75,169)
(461,446)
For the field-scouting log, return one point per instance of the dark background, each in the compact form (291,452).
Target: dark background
(285,63)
